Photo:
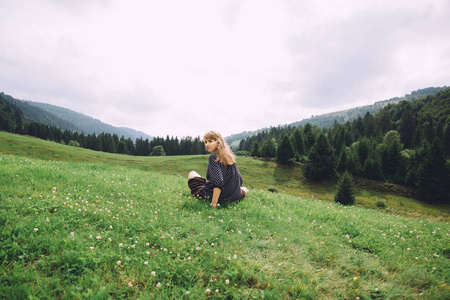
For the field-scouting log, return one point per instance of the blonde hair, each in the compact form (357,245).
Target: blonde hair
(224,153)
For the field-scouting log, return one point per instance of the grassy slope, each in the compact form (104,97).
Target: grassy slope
(82,224)
(257,174)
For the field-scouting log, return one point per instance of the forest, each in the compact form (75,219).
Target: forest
(406,143)
(13,120)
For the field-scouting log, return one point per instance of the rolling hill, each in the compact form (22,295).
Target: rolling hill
(327,120)
(66,119)
(81,224)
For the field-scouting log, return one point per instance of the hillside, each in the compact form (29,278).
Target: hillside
(257,174)
(327,120)
(80,224)
(66,119)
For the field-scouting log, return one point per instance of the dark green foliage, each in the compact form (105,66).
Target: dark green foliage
(255,149)
(380,204)
(186,146)
(434,176)
(272,189)
(298,142)
(372,147)
(11,117)
(391,158)
(446,140)
(372,168)
(321,161)
(66,119)
(369,125)
(243,153)
(343,159)
(344,192)
(268,149)
(197,147)
(285,153)
(122,148)
(310,136)
(407,127)
(74,144)
(158,151)
(384,120)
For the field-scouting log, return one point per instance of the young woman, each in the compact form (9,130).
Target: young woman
(223,179)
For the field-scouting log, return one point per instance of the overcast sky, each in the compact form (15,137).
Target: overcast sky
(184,67)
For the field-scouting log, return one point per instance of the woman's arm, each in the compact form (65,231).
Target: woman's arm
(216,194)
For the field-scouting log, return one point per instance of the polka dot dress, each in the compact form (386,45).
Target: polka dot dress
(226,178)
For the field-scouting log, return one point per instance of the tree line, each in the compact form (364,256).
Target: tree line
(13,120)
(407,143)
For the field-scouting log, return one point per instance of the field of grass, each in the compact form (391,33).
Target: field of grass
(82,224)
(257,174)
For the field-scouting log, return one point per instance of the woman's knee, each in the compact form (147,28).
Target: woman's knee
(193,174)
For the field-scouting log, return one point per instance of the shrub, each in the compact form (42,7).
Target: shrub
(158,151)
(243,153)
(272,189)
(380,204)
(74,143)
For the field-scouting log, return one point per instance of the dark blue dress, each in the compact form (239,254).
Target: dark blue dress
(226,178)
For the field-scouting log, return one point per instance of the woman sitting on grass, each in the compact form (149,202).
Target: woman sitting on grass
(224,179)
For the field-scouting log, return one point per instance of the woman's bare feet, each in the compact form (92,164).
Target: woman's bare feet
(245,190)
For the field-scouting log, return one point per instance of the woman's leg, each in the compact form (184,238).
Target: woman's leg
(193,174)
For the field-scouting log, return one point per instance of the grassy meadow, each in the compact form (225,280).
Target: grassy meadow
(78,224)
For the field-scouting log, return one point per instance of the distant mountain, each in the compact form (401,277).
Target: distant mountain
(327,120)
(66,119)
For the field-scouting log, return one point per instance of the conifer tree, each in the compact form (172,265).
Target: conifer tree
(391,156)
(285,153)
(298,142)
(255,149)
(321,161)
(369,125)
(344,193)
(372,166)
(446,140)
(122,148)
(343,159)
(407,128)
(434,177)
(268,149)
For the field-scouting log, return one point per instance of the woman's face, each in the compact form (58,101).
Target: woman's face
(211,146)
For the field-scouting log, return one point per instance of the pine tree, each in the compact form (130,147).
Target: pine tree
(391,156)
(298,142)
(407,128)
(122,148)
(255,149)
(372,167)
(344,193)
(434,177)
(321,161)
(369,125)
(343,159)
(446,140)
(285,153)
(268,149)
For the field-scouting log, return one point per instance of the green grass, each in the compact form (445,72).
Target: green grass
(257,174)
(80,224)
